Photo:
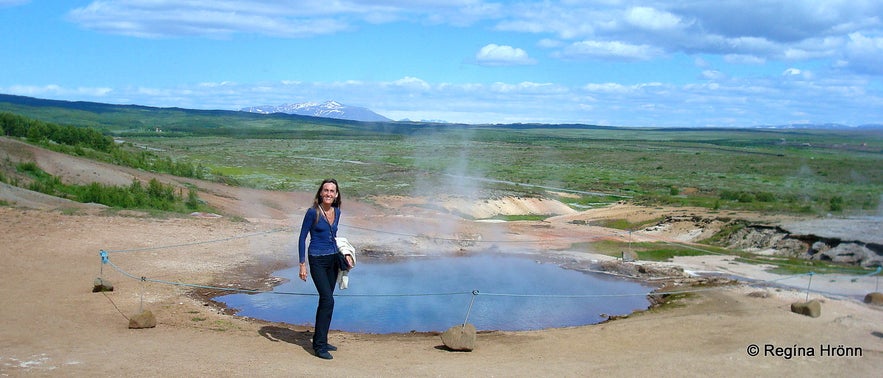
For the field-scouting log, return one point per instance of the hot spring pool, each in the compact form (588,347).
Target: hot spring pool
(434,293)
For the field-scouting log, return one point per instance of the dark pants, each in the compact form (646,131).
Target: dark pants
(324,271)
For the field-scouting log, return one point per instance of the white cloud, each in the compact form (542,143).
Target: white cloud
(652,19)
(412,83)
(837,46)
(727,101)
(216,84)
(527,88)
(713,75)
(502,55)
(616,92)
(611,50)
(864,54)
(760,31)
(606,87)
(743,59)
(550,43)
(213,19)
(756,32)
(283,18)
(701,63)
(53,90)
(751,45)
(566,21)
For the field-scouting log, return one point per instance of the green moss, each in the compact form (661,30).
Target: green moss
(623,224)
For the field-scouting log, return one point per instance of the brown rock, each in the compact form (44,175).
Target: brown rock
(143,319)
(812,308)
(874,298)
(759,294)
(460,337)
(101,284)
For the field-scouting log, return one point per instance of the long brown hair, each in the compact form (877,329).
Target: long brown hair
(317,200)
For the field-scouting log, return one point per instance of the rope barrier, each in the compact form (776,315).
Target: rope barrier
(808,285)
(105,260)
(281,229)
(620,234)
(198,243)
(438,238)
(196,286)
(469,310)
(252,291)
(475,293)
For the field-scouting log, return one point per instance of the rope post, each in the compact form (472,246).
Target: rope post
(630,241)
(877,273)
(100,284)
(141,305)
(104,260)
(808,285)
(471,302)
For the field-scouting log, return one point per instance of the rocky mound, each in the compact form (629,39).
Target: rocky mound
(857,241)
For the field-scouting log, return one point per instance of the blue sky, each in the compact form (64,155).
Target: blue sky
(607,62)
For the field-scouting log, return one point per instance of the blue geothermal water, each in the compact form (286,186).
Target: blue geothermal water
(434,293)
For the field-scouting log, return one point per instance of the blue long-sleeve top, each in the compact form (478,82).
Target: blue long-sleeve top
(321,234)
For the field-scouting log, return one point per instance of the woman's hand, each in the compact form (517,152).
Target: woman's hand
(349,261)
(303,272)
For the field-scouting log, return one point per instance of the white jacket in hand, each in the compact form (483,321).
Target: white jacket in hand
(347,249)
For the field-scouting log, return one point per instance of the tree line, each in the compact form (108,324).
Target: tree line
(91,143)
(37,131)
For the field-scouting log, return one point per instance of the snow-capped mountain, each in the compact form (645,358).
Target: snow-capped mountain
(327,109)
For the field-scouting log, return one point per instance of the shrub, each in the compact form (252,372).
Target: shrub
(836,203)
(156,195)
(765,197)
(193,201)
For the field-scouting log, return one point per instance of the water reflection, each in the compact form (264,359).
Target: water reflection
(433,294)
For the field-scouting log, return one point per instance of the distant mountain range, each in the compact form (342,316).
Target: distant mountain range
(823,126)
(327,109)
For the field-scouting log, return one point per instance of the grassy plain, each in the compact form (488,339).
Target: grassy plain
(808,171)
(813,171)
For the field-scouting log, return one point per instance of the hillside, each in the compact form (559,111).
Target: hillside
(229,200)
(137,119)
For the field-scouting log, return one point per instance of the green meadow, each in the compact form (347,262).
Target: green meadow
(810,171)
(803,172)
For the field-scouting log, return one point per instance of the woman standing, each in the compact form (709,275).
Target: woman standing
(320,222)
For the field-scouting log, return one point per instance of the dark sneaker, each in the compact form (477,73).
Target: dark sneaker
(323,354)
(330,348)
